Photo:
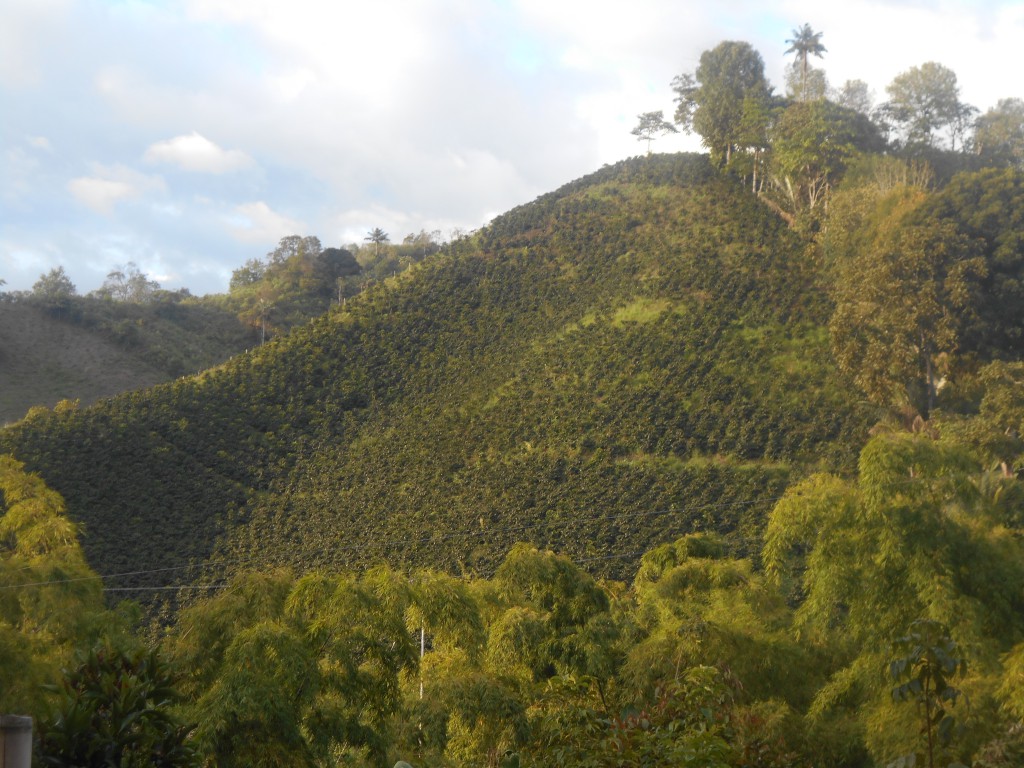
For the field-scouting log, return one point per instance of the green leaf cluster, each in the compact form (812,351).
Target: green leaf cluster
(115,709)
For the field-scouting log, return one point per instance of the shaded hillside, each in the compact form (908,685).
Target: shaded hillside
(85,349)
(635,356)
(43,361)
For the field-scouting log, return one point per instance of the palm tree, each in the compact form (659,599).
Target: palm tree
(805,42)
(376,236)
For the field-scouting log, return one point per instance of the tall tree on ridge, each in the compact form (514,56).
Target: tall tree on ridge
(376,236)
(855,95)
(925,100)
(812,144)
(54,286)
(712,100)
(805,42)
(999,134)
(650,126)
(129,284)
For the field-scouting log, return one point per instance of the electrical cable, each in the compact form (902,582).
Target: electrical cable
(465,533)
(388,543)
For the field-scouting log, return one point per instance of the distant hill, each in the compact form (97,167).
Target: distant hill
(87,349)
(639,354)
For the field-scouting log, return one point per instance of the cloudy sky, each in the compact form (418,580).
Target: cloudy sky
(188,136)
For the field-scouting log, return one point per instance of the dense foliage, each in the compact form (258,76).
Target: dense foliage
(114,708)
(911,570)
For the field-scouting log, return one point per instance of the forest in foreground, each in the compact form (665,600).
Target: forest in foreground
(673,465)
(881,618)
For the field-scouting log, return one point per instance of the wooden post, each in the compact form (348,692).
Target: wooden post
(15,741)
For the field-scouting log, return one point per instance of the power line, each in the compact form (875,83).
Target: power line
(389,543)
(173,586)
(465,533)
(734,538)
(616,556)
(112,575)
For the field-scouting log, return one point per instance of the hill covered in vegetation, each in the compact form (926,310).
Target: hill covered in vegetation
(693,461)
(56,344)
(793,443)
(638,355)
(83,349)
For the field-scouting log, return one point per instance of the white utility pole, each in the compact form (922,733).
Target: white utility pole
(423,647)
(15,741)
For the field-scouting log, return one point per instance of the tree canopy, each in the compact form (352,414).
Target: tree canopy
(812,145)
(650,125)
(904,298)
(298,280)
(999,135)
(54,286)
(924,108)
(711,101)
(129,284)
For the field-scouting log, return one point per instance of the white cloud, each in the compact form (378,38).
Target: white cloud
(23,59)
(258,223)
(109,186)
(39,142)
(195,152)
(290,85)
(365,49)
(404,114)
(100,194)
(20,177)
(168,209)
(17,257)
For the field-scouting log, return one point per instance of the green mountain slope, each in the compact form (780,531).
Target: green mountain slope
(636,355)
(86,349)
